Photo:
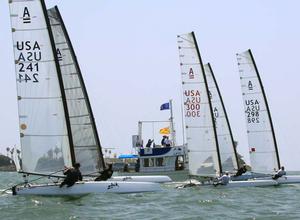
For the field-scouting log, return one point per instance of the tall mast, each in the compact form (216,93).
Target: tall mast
(172,123)
(210,106)
(267,106)
(226,117)
(83,88)
(59,75)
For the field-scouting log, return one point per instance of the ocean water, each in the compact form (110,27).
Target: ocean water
(282,202)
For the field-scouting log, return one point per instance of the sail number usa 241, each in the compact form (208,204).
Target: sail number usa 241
(28,61)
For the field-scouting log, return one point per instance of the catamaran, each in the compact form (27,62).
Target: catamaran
(49,126)
(206,150)
(264,154)
(86,141)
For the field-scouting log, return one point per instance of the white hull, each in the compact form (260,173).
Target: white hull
(265,182)
(289,179)
(251,183)
(179,175)
(155,179)
(82,188)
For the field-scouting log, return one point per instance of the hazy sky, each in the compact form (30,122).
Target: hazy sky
(128,55)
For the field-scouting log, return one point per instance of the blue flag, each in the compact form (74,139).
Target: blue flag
(165,106)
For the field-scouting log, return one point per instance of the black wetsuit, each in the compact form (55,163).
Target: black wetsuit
(72,176)
(105,175)
(241,171)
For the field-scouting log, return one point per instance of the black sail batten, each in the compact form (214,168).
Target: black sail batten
(209,101)
(59,75)
(267,106)
(226,116)
(83,87)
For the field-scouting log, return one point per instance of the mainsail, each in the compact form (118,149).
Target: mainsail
(262,143)
(46,141)
(225,139)
(83,128)
(204,158)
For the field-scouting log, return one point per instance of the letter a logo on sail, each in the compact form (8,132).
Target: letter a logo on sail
(250,86)
(26,16)
(59,55)
(191,74)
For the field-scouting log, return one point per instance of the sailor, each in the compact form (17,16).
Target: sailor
(105,174)
(149,143)
(73,175)
(242,170)
(279,173)
(223,180)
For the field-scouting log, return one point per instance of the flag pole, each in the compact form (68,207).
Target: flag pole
(172,123)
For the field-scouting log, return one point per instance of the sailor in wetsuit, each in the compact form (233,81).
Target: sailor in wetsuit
(279,173)
(242,170)
(105,174)
(73,175)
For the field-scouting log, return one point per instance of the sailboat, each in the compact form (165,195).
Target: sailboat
(228,153)
(88,150)
(264,154)
(46,137)
(204,149)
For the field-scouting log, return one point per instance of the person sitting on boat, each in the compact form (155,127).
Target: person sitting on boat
(279,173)
(223,180)
(163,141)
(149,143)
(242,170)
(168,142)
(105,174)
(73,175)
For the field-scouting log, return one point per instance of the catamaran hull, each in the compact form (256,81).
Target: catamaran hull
(289,180)
(246,183)
(248,176)
(251,183)
(155,179)
(265,182)
(82,188)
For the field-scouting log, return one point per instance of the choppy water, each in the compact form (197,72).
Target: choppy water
(281,202)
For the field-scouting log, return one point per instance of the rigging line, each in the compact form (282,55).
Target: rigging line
(252,93)
(45,135)
(179,36)
(67,64)
(41,61)
(187,82)
(29,30)
(248,77)
(185,64)
(245,63)
(199,126)
(201,151)
(59,43)
(39,98)
(241,55)
(259,131)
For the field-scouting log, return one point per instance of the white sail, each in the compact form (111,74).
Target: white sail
(200,132)
(85,139)
(262,144)
(43,129)
(224,134)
